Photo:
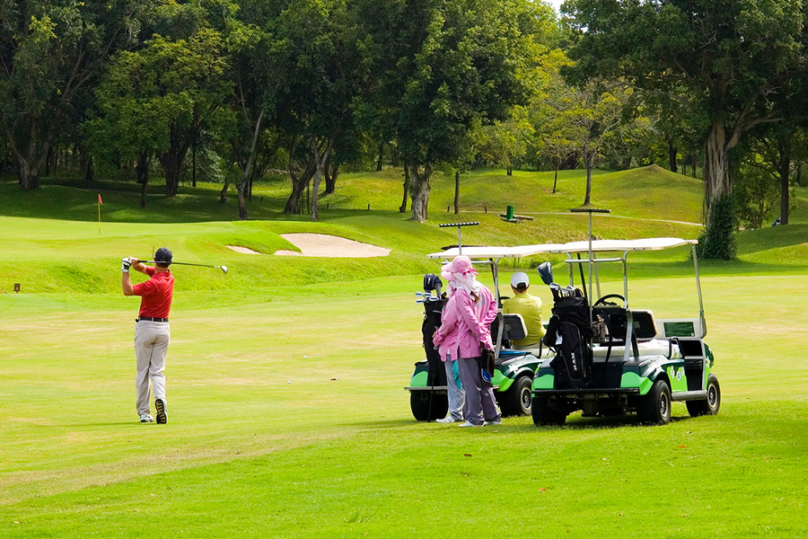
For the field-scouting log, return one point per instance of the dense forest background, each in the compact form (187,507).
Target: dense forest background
(231,91)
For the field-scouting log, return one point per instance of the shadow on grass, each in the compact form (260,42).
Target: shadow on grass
(391,423)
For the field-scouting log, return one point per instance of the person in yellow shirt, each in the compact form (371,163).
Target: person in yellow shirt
(529,307)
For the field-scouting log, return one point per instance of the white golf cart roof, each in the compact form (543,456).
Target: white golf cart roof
(598,246)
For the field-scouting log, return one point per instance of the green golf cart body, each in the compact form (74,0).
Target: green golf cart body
(644,364)
(514,369)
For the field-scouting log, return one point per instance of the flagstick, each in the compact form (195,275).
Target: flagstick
(99,218)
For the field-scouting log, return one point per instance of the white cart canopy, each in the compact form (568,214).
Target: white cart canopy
(598,246)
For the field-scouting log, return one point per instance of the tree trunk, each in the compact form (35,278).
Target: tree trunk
(403,207)
(588,163)
(142,170)
(89,173)
(717,179)
(172,158)
(380,160)
(245,177)
(557,164)
(331,174)
(509,170)
(672,151)
(50,162)
(457,193)
(223,192)
(420,191)
(718,239)
(785,173)
(320,164)
(30,163)
(299,184)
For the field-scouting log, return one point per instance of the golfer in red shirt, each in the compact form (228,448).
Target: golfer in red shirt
(152,333)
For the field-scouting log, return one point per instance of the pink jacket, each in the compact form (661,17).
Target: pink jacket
(465,324)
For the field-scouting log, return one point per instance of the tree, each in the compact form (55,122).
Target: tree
(729,56)
(312,90)
(505,142)
(590,115)
(51,53)
(153,101)
(434,67)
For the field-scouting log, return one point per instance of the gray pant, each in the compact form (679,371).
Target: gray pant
(457,397)
(480,402)
(151,347)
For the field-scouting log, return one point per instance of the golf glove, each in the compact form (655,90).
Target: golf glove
(125,264)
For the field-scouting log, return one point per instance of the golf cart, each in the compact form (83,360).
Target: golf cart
(628,360)
(514,369)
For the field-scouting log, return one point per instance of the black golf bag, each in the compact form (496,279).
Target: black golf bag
(432,313)
(569,333)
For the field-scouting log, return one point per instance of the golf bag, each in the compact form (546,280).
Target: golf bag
(569,333)
(432,313)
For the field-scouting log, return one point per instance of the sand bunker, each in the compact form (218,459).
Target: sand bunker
(330,246)
(242,250)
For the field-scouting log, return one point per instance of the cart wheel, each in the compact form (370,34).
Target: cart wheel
(544,414)
(655,407)
(711,404)
(517,400)
(419,403)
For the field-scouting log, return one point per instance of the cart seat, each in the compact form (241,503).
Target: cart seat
(648,348)
(616,317)
(515,328)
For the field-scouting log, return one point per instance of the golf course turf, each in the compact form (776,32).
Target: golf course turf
(287,415)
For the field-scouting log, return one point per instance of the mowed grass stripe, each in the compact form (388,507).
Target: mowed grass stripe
(246,450)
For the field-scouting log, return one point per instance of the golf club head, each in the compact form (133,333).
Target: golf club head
(224,269)
(545,270)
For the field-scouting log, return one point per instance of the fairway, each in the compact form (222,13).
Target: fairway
(285,377)
(288,419)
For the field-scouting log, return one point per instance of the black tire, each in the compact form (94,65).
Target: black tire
(544,414)
(711,404)
(518,399)
(655,407)
(419,403)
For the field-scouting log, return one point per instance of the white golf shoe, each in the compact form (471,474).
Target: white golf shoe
(493,423)
(146,418)
(469,424)
(448,419)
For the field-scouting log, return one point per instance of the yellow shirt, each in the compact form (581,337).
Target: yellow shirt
(530,309)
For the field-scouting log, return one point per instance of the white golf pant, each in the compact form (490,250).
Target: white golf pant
(151,347)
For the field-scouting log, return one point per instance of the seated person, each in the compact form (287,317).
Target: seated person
(529,307)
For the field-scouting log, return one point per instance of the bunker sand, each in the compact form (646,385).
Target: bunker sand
(323,245)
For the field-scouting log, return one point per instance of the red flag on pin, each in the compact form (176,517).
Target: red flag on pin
(99,199)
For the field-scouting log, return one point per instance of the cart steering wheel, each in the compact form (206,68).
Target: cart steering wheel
(602,300)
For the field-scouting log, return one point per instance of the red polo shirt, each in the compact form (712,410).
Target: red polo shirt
(156,293)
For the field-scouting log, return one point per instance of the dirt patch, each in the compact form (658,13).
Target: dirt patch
(330,246)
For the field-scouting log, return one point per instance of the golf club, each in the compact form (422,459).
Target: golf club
(223,268)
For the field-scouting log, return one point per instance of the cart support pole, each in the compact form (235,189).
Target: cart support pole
(459,237)
(698,289)
(590,211)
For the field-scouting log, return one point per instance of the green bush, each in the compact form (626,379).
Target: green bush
(718,239)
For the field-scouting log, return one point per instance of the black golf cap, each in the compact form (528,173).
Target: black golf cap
(163,255)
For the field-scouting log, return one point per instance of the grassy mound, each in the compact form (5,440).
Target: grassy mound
(52,243)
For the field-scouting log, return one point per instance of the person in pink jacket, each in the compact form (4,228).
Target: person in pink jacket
(465,325)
